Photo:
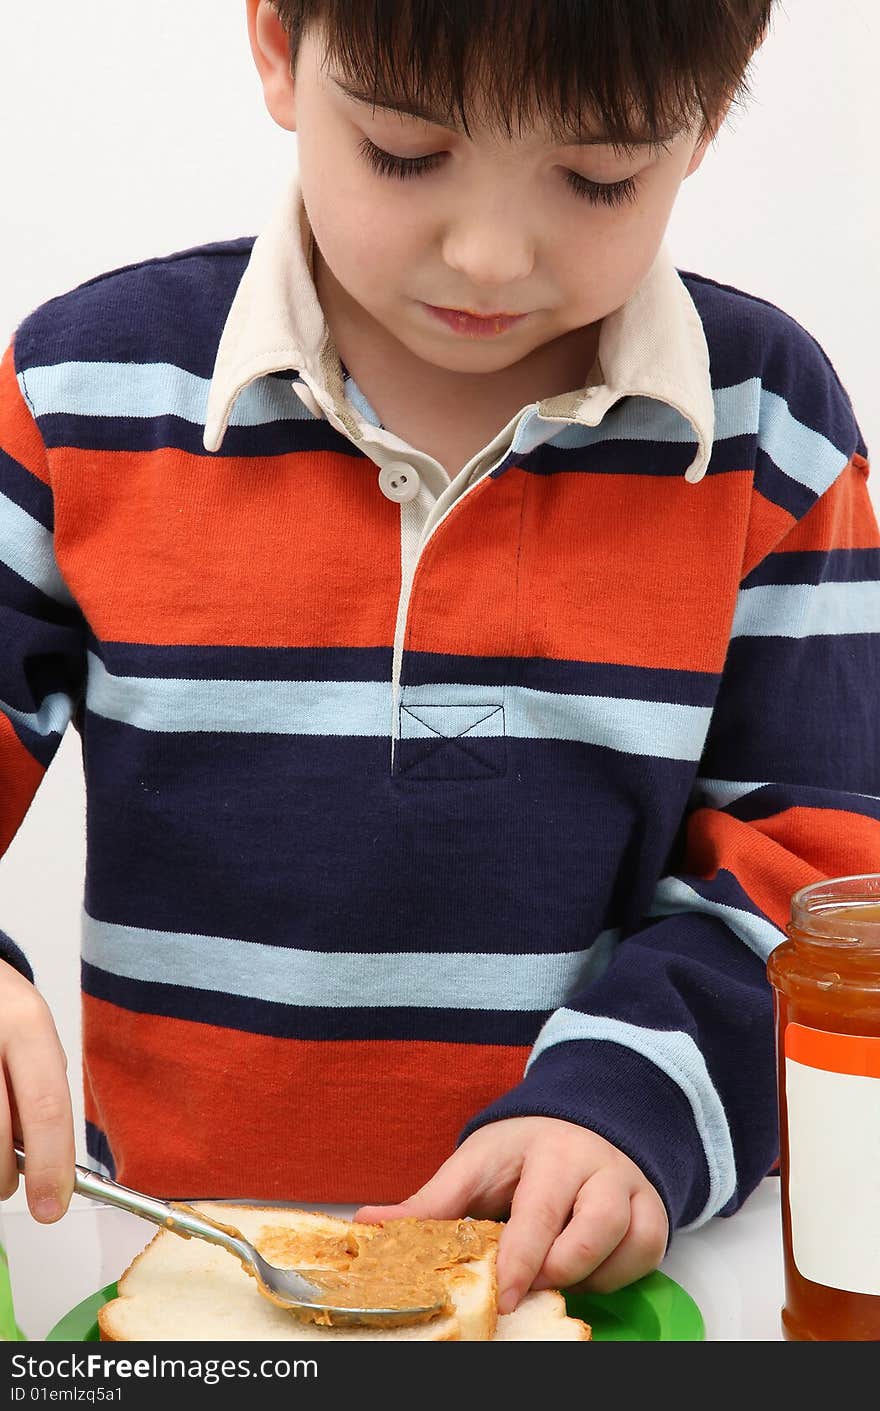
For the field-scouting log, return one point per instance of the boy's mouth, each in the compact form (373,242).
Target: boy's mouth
(475,325)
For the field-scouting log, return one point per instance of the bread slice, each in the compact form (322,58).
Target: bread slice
(541,1317)
(189,1290)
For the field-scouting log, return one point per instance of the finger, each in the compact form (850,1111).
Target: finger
(540,1207)
(8,1167)
(600,1220)
(639,1253)
(446,1196)
(37,1075)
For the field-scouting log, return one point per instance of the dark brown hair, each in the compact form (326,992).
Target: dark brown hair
(642,69)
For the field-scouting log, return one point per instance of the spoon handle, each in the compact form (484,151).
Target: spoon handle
(179,1218)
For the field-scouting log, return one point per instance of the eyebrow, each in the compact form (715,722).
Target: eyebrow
(417,110)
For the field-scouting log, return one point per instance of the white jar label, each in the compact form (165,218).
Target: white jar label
(832,1084)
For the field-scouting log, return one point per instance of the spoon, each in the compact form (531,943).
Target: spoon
(305,1297)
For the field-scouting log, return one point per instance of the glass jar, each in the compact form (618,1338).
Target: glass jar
(826,992)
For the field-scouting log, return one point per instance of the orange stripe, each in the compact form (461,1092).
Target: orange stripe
(299,550)
(193,1109)
(768,525)
(837,1053)
(843,518)
(21,439)
(592,552)
(21,775)
(772,857)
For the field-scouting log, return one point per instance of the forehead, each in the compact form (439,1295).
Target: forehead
(582,133)
(532,106)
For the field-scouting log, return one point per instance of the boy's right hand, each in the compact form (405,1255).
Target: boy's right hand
(35,1102)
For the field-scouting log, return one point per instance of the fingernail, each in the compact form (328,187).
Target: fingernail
(48,1208)
(507,1300)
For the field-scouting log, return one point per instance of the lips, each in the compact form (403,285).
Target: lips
(478,313)
(474,325)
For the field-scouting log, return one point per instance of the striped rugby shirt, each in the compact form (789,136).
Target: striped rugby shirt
(415,806)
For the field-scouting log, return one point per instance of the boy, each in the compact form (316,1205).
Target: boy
(469,623)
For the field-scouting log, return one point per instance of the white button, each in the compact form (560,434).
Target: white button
(308,398)
(398,481)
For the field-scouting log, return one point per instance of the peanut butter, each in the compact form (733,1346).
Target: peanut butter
(398,1264)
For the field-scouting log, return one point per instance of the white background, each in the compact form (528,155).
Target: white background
(128,131)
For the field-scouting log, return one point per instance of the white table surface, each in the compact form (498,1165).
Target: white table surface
(731,1267)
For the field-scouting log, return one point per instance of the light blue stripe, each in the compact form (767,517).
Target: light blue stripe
(52,718)
(802,454)
(274,707)
(676,1054)
(807,610)
(359,402)
(657,728)
(647,419)
(737,409)
(653,728)
(721,792)
(27,547)
(163,389)
(152,390)
(450,722)
(673,897)
(321,979)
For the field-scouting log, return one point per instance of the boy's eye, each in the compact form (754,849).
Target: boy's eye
(613,193)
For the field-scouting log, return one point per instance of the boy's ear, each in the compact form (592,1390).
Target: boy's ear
(706,141)
(270,47)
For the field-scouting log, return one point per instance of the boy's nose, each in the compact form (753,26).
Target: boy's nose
(491,256)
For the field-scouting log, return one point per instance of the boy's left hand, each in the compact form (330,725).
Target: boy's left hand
(582,1214)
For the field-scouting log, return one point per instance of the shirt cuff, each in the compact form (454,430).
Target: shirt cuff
(10,952)
(629,1101)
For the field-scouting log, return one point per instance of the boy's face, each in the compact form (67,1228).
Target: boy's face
(493,225)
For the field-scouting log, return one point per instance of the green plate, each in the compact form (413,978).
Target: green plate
(654,1309)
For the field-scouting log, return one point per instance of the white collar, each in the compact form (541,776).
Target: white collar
(653,346)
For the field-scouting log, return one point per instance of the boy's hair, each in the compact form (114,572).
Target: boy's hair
(642,69)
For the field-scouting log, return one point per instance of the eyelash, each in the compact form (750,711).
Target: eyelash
(614,193)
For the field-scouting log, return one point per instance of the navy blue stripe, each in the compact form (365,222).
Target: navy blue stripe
(751,337)
(170,309)
(282,1021)
(26,491)
(15,956)
(774,799)
(274,438)
(309,841)
(732,453)
(779,488)
(420,668)
(795,710)
(606,457)
(587,678)
(23,600)
(725,889)
(632,457)
(244,663)
(42,747)
(98,1148)
(817,566)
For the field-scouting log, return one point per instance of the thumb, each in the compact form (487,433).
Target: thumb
(445,1197)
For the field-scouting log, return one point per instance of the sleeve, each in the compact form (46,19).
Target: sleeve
(42,637)
(669,1054)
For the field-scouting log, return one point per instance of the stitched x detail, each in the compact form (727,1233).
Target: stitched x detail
(451,741)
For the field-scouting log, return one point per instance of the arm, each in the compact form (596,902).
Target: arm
(42,675)
(669,1055)
(653,1089)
